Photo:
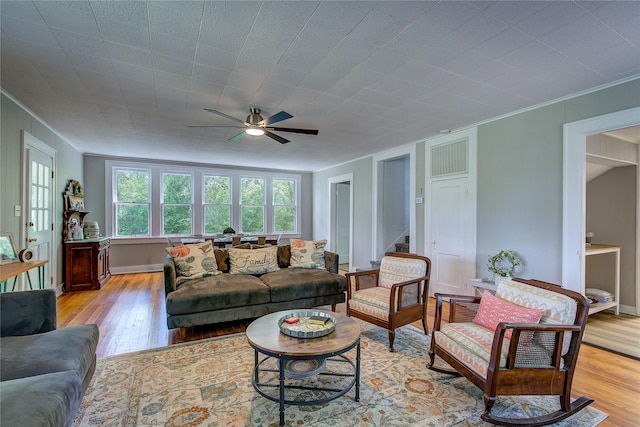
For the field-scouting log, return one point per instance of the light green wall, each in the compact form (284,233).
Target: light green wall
(520,179)
(362,206)
(519,184)
(14,118)
(135,257)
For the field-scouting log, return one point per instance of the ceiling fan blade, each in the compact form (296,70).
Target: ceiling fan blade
(237,137)
(195,126)
(305,131)
(224,115)
(278,117)
(278,138)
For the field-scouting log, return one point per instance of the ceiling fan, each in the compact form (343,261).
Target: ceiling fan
(256,125)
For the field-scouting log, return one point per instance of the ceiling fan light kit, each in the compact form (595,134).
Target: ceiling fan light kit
(256,125)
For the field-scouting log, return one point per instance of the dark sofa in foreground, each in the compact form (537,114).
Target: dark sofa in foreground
(228,297)
(44,371)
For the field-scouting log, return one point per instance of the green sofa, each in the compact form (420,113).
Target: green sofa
(44,371)
(230,297)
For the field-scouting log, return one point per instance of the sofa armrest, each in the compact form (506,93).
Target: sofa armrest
(28,312)
(169,275)
(331,261)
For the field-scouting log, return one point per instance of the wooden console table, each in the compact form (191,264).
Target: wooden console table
(14,269)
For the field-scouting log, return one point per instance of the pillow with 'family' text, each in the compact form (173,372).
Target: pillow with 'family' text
(253,261)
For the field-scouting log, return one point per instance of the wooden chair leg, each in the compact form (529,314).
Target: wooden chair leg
(424,325)
(392,337)
(333,307)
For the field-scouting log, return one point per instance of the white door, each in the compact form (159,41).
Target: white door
(449,236)
(39,211)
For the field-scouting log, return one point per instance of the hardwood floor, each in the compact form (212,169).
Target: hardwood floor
(129,310)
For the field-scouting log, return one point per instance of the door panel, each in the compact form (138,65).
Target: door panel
(39,198)
(449,207)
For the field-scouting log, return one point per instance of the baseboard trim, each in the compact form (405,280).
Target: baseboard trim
(628,309)
(148,268)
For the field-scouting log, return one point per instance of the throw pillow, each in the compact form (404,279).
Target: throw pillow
(193,261)
(284,256)
(222,258)
(253,261)
(307,253)
(494,310)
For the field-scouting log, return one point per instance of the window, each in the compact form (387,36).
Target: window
(157,200)
(252,205)
(177,204)
(216,200)
(284,205)
(131,202)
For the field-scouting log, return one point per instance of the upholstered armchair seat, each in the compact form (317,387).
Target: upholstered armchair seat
(399,295)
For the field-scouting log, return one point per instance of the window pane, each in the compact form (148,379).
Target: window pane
(217,190)
(252,219)
(283,192)
(132,186)
(176,219)
(216,218)
(176,188)
(34,172)
(252,191)
(284,219)
(132,220)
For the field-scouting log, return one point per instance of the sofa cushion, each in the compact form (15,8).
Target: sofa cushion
(193,261)
(307,253)
(291,284)
(44,400)
(493,311)
(217,292)
(253,261)
(71,348)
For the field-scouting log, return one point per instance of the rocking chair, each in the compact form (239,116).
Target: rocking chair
(519,356)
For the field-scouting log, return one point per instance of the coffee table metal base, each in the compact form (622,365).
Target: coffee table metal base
(279,386)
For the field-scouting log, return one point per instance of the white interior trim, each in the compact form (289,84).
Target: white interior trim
(332,182)
(574,194)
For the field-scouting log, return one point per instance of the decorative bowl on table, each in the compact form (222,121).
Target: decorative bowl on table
(310,324)
(299,369)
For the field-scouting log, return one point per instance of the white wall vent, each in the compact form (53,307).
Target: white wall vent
(450,158)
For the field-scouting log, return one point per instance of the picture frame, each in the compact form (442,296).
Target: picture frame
(75,203)
(8,252)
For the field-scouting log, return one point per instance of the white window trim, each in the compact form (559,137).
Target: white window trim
(158,169)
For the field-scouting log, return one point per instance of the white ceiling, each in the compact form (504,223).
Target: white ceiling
(125,78)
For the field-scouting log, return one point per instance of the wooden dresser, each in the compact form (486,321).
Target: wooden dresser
(86,264)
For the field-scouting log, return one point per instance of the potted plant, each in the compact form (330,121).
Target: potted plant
(229,231)
(503,264)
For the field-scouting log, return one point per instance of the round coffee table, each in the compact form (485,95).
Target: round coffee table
(265,337)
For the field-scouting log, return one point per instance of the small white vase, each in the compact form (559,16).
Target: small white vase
(498,279)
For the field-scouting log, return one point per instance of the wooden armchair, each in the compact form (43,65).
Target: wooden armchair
(518,357)
(393,295)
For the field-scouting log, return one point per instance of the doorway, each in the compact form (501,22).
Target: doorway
(394,214)
(341,227)
(574,201)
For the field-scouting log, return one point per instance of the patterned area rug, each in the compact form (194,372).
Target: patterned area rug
(208,383)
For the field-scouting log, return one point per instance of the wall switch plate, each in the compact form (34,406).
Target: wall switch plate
(17,210)
(418,200)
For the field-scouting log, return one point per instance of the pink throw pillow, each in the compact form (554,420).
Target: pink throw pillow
(494,310)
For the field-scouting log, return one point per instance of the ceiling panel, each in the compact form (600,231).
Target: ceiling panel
(368,75)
